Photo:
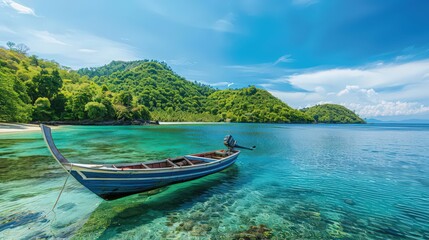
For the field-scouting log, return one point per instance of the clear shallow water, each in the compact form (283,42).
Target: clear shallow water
(303,181)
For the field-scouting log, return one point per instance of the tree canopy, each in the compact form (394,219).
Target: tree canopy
(332,113)
(253,105)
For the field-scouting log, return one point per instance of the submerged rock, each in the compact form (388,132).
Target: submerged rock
(255,233)
(19,219)
(336,230)
(349,201)
(198,230)
(185,226)
(67,206)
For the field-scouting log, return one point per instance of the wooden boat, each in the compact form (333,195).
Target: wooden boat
(112,181)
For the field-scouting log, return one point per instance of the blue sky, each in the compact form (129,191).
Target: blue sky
(370,55)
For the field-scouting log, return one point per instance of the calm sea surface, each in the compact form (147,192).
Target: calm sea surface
(302,181)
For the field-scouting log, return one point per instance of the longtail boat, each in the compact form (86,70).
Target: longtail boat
(112,181)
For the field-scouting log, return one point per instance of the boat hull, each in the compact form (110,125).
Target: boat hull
(115,184)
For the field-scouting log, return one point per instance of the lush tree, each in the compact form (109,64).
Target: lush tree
(96,111)
(12,107)
(22,48)
(42,109)
(122,112)
(44,84)
(34,61)
(14,101)
(140,112)
(78,100)
(10,45)
(124,98)
(58,104)
(110,111)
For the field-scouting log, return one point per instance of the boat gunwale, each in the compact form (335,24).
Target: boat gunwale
(85,178)
(108,168)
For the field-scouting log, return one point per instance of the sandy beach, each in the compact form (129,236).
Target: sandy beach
(18,127)
(182,123)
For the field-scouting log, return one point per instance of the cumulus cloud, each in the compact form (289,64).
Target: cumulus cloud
(350,89)
(386,108)
(377,90)
(19,7)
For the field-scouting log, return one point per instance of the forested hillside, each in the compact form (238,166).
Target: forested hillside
(253,105)
(33,89)
(171,97)
(152,84)
(332,113)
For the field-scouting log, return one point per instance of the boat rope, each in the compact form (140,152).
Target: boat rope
(56,202)
(62,189)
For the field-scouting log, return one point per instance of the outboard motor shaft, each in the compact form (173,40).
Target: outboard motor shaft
(231,143)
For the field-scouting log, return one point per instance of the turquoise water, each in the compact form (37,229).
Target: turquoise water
(303,181)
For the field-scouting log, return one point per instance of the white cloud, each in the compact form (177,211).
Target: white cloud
(374,77)
(386,108)
(19,7)
(86,50)
(48,37)
(220,84)
(224,24)
(249,68)
(356,89)
(284,58)
(377,90)
(404,57)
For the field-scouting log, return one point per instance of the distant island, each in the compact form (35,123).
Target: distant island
(332,113)
(135,92)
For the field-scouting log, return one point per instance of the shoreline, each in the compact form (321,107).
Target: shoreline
(30,127)
(190,123)
(18,127)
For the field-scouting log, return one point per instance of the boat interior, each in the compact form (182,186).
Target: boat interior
(177,162)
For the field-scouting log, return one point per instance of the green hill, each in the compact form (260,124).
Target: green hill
(332,113)
(253,105)
(152,84)
(171,97)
